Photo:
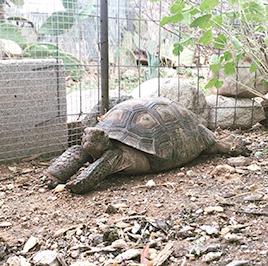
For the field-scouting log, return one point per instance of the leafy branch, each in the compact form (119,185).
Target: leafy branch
(236,30)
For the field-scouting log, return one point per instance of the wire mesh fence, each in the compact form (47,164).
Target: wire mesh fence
(50,66)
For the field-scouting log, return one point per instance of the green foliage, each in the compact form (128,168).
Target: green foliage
(57,23)
(60,22)
(203,22)
(237,32)
(48,50)
(11,32)
(208,4)
(206,38)
(69,4)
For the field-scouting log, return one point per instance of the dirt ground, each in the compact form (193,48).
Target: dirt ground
(212,211)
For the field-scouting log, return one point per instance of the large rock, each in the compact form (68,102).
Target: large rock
(181,90)
(232,88)
(228,112)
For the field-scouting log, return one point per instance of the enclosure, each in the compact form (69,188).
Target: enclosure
(64,63)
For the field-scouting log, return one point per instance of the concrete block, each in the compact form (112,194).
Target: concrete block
(32,108)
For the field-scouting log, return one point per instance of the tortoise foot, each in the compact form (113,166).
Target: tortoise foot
(67,164)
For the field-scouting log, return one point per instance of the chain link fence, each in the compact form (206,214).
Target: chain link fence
(50,71)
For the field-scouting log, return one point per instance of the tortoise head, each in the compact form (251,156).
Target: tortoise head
(95,141)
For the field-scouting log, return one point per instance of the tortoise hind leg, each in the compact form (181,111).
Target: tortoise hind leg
(232,145)
(108,164)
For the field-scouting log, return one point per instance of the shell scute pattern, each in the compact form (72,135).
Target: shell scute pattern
(159,127)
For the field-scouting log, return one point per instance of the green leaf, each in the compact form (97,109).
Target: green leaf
(239,56)
(253,67)
(202,22)
(220,41)
(215,82)
(236,43)
(46,50)
(206,38)
(229,68)
(214,59)
(58,23)
(179,46)
(266,41)
(171,19)
(177,49)
(217,20)
(254,11)
(227,55)
(11,32)
(177,7)
(69,4)
(218,83)
(208,4)
(215,68)
(211,83)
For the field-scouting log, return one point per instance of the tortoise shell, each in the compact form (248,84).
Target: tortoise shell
(159,127)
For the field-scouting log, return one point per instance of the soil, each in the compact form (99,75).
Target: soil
(210,211)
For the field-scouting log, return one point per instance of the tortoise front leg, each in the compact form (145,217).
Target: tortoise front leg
(108,164)
(68,163)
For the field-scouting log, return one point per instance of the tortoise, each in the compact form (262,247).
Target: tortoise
(139,136)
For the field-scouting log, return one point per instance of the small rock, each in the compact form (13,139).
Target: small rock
(46,258)
(211,256)
(232,238)
(186,231)
(193,198)
(5,224)
(210,230)
(199,211)
(31,242)
(75,253)
(239,263)
(127,255)
(102,259)
(111,209)
(59,188)
(110,235)
(2,195)
(212,209)
(119,244)
(17,261)
(136,228)
(239,161)
(122,225)
(253,197)
(180,174)
(120,205)
(223,169)
(254,167)
(190,173)
(150,183)
(10,187)
(211,248)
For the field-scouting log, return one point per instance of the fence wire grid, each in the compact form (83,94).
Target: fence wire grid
(50,69)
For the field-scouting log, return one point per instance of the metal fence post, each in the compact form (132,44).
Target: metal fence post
(104,50)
